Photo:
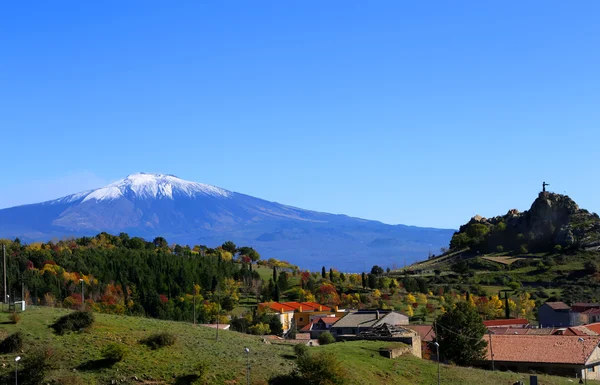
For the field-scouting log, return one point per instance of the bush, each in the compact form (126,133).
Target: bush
(114,352)
(321,368)
(14,317)
(260,329)
(12,344)
(35,366)
(300,349)
(73,322)
(159,340)
(326,338)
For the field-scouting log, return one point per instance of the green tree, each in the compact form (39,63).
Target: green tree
(229,246)
(591,267)
(331,274)
(326,338)
(460,334)
(323,273)
(364,280)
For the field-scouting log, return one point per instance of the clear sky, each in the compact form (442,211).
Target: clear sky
(422,113)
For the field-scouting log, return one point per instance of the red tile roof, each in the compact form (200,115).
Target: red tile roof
(595,327)
(276,306)
(542,349)
(558,305)
(505,322)
(426,332)
(307,328)
(294,306)
(328,320)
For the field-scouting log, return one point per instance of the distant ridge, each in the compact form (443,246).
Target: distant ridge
(185,212)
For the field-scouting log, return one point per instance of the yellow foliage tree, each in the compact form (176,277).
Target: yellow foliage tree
(422,299)
(409,311)
(410,299)
(525,306)
(376,293)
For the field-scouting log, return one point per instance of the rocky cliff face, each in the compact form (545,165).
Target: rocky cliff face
(554,221)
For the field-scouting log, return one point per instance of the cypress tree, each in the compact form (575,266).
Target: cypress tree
(323,274)
(274,274)
(364,280)
(331,274)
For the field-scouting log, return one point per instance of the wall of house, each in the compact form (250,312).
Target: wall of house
(593,365)
(549,317)
(303,318)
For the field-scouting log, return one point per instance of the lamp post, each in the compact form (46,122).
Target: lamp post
(437,348)
(583,354)
(82,299)
(17,359)
(247,365)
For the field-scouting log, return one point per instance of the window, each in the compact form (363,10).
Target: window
(590,369)
(301,319)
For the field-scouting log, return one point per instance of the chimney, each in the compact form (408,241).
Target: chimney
(335,309)
(300,309)
(320,308)
(376,314)
(281,310)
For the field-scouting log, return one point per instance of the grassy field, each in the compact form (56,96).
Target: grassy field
(78,355)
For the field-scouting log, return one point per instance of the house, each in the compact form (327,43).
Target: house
(299,314)
(511,323)
(556,314)
(319,325)
(583,330)
(550,354)
(356,322)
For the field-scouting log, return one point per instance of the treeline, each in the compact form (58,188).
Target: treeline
(129,275)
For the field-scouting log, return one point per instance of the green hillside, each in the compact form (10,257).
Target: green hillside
(77,356)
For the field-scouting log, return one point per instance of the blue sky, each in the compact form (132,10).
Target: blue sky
(422,113)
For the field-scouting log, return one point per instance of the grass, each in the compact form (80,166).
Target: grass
(505,260)
(225,359)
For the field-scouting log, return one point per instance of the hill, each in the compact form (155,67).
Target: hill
(151,205)
(78,354)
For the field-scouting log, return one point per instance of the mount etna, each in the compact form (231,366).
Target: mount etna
(150,205)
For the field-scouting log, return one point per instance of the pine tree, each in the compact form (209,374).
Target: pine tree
(331,274)
(323,274)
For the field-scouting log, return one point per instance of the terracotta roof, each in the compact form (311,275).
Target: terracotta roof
(528,331)
(316,306)
(558,305)
(276,306)
(505,322)
(306,328)
(586,304)
(592,311)
(426,332)
(542,349)
(328,320)
(595,327)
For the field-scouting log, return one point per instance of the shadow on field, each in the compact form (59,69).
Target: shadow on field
(96,364)
(289,356)
(187,379)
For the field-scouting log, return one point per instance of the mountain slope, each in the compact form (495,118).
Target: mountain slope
(150,205)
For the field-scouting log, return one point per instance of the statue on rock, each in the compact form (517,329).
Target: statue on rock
(544,184)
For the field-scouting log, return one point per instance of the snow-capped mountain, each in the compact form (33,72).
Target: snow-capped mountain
(186,212)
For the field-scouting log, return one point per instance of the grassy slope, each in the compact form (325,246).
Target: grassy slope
(226,358)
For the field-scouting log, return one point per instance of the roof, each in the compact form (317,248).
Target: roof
(426,332)
(505,322)
(295,306)
(306,328)
(586,304)
(542,349)
(363,319)
(520,330)
(327,320)
(276,306)
(558,305)
(584,330)
(592,311)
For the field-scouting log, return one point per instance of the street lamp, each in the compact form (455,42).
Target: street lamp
(583,353)
(247,365)
(17,359)
(437,348)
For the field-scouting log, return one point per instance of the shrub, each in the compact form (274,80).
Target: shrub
(260,329)
(35,366)
(300,349)
(321,368)
(73,322)
(326,338)
(114,352)
(159,340)
(11,344)
(523,249)
(14,317)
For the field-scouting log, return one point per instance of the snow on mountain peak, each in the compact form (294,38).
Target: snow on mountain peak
(154,186)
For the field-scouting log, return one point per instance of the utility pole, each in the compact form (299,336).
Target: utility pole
(491,349)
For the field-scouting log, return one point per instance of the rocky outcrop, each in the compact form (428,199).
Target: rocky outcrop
(553,220)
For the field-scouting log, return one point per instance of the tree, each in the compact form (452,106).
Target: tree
(274,274)
(376,270)
(460,334)
(372,281)
(229,246)
(364,280)
(591,267)
(326,338)
(331,274)
(323,274)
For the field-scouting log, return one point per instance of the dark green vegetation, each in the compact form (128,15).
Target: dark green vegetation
(159,340)
(75,321)
(11,344)
(196,353)
(459,333)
